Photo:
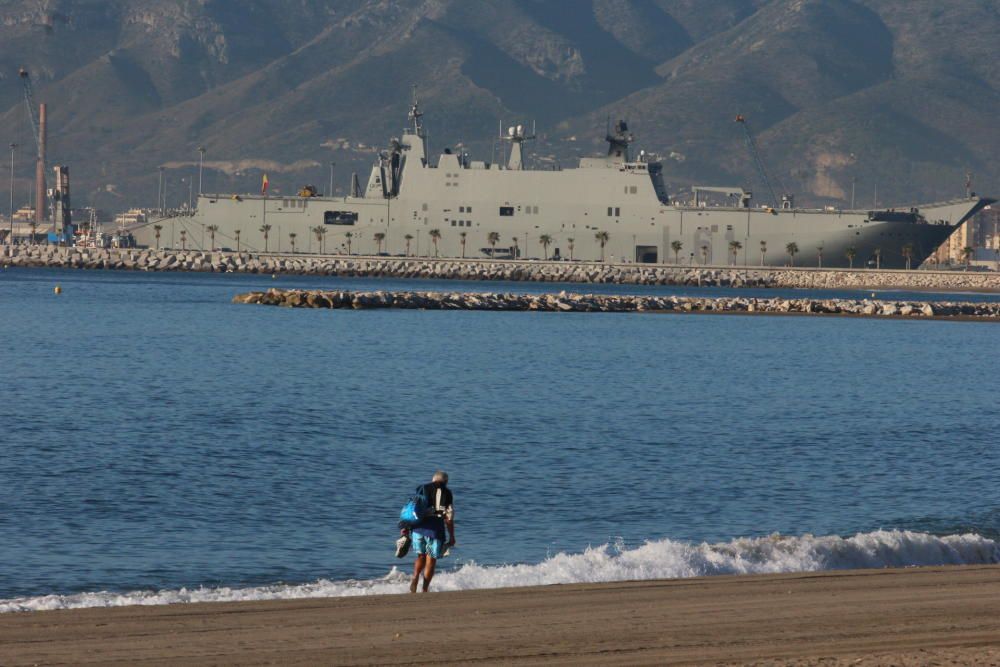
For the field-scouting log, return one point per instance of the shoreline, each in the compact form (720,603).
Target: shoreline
(133,259)
(868,617)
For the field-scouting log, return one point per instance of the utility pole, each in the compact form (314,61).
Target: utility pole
(854,182)
(876,196)
(332,165)
(10,239)
(201,165)
(159,193)
(190,194)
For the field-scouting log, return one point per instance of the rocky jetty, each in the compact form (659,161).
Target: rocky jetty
(607,303)
(494,270)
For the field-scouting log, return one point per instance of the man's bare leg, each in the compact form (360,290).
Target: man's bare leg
(418,567)
(429,572)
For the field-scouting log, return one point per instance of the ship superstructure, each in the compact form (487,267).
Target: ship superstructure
(612,208)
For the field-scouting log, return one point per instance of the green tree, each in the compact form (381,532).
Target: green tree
(291,237)
(792,249)
(349,237)
(320,232)
(212,229)
(734,250)
(570,242)
(677,246)
(602,238)
(517,248)
(184,239)
(819,255)
(850,254)
(545,240)
(704,254)
(763,252)
(908,254)
(435,235)
(157,229)
(493,238)
(408,238)
(34,230)
(461,239)
(237,235)
(266,229)
(379,237)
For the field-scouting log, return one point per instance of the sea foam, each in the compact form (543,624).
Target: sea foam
(660,559)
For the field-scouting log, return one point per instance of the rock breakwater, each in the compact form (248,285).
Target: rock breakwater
(484,269)
(604,303)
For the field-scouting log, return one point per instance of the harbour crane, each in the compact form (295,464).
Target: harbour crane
(36,115)
(755,154)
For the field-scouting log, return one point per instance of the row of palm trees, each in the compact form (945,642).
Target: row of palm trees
(602,237)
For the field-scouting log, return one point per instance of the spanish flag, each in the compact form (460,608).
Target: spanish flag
(263,185)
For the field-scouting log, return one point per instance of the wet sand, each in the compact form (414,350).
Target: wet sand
(945,616)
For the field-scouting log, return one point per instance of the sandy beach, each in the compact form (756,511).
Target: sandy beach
(946,615)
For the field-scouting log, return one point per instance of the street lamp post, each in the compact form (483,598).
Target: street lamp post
(10,239)
(332,165)
(159,193)
(201,165)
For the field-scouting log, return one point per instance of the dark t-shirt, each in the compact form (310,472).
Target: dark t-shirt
(433,525)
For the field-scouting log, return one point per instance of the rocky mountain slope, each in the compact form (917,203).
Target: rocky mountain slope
(893,92)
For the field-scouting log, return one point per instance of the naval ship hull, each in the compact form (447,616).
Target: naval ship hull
(610,208)
(822,237)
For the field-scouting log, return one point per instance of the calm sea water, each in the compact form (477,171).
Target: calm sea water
(153,435)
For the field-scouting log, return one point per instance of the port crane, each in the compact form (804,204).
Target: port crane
(758,162)
(29,103)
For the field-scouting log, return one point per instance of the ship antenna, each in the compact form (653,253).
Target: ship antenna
(416,114)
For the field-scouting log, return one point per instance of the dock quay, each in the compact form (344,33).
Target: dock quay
(605,303)
(132,259)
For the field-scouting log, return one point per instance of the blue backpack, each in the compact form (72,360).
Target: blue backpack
(416,509)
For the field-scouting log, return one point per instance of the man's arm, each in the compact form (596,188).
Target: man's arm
(449,522)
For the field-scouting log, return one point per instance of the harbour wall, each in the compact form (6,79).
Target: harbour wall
(480,269)
(613,303)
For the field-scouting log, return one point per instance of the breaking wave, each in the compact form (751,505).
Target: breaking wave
(661,559)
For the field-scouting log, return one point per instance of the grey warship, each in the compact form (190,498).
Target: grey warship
(610,208)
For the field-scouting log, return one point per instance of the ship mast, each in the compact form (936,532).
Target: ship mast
(517,135)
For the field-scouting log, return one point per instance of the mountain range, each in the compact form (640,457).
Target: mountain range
(841,95)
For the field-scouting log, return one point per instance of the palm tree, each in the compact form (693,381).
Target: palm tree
(734,248)
(349,236)
(435,235)
(908,254)
(763,252)
(34,229)
(320,232)
(379,237)
(517,248)
(211,233)
(878,258)
(157,229)
(677,246)
(461,239)
(493,238)
(569,242)
(602,238)
(545,240)
(184,239)
(237,235)
(967,253)
(408,237)
(792,249)
(704,253)
(819,255)
(850,254)
(267,231)
(291,237)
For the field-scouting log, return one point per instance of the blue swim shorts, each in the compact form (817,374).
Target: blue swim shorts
(431,546)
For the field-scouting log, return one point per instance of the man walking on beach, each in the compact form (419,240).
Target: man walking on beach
(429,534)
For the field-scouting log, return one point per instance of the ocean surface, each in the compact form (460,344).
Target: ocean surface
(159,444)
